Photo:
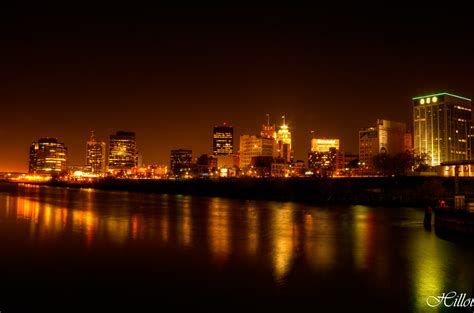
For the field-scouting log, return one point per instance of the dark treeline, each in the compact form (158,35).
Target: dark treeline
(416,191)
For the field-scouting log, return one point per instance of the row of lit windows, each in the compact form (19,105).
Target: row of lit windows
(462,108)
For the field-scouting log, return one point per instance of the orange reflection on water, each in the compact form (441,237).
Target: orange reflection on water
(283,237)
(218,230)
(364,232)
(319,242)
(186,226)
(252,230)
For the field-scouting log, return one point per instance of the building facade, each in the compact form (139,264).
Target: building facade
(325,157)
(123,154)
(254,146)
(95,155)
(323,163)
(442,125)
(385,137)
(223,140)
(48,156)
(181,162)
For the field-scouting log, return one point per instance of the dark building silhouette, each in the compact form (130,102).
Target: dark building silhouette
(181,162)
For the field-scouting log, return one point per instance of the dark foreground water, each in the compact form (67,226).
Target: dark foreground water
(83,250)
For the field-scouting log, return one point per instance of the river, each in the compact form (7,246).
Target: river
(87,250)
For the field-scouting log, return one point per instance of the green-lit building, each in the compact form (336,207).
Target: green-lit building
(442,127)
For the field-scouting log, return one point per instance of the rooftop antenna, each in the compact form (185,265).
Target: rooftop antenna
(283,118)
(92,137)
(312,133)
(268,119)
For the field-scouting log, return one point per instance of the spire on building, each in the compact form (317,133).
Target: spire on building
(92,137)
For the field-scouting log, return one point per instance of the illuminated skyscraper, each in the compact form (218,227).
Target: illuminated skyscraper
(325,156)
(223,140)
(95,155)
(283,139)
(385,137)
(48,156)
(181,162)
(254,146)
(122,151)
(442,124)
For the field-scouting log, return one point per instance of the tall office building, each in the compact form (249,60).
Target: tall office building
(442,124)
(385,137)
(325,154)
(223,140)
(48,156)
(122,151)
(95,155)
(181,162)
(283,140)
(254,146)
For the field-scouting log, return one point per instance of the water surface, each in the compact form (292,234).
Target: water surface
(70,249)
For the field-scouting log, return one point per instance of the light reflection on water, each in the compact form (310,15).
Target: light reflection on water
(300,245)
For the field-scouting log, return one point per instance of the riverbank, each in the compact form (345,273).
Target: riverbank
(388,191)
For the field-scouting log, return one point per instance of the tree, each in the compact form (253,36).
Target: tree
(399,164)
(420,162)
(383,163)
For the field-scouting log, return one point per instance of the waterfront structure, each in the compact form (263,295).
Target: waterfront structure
(385,137)
(48,156)
(153,171)
(463,168)
(95,155)
(283,140)
(181,162)
(442,125)
(254,146)
(261,166)
(223,140)
(123,156)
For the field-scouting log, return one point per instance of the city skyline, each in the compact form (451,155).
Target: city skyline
(184,145)
(172,75)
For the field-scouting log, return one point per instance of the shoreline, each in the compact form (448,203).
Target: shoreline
(387,191)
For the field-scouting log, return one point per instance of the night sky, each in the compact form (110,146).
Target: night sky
(172,74)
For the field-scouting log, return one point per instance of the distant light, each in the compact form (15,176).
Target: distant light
(428,100)
(78,173)
(434,99)
(422,101)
